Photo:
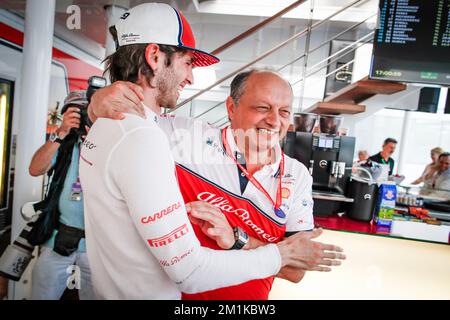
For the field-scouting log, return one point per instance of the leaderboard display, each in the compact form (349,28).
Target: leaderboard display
(412,42)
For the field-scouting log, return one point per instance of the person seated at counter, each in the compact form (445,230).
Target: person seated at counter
(432,167)
(384,156)
(439,184)
(363,155)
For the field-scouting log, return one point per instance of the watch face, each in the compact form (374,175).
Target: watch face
(245,235)
(242,235)
(53,136)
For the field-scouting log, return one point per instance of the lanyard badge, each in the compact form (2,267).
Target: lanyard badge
(75,194)
(276,205)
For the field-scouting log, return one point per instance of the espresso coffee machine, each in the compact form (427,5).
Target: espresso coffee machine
(327,157)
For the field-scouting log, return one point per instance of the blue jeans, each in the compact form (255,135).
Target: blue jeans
(53,273)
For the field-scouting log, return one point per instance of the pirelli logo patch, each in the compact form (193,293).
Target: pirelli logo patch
(170,237)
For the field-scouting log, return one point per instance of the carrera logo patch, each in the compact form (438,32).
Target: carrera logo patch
(159,215)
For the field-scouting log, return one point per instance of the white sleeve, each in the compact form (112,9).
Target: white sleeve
(300,217)
(142,169)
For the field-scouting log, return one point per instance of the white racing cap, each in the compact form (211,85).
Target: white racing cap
(161,24)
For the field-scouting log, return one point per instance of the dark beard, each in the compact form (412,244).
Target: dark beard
(165,83)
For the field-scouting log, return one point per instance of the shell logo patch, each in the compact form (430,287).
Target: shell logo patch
(285,193)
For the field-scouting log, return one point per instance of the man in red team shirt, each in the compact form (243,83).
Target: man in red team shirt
(259,109)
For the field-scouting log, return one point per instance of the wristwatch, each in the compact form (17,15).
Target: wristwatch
(54,137)
(240,237)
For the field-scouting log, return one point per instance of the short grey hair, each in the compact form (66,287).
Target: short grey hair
(239,83)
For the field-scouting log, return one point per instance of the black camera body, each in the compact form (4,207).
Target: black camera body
(84,121)
(94,83)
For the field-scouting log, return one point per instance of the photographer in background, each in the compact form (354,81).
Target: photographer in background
(66,247)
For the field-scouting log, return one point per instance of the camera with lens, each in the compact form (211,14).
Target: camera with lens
(81,100)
